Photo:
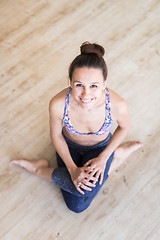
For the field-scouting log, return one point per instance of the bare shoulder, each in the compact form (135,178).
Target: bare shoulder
(118,104)
(57,103)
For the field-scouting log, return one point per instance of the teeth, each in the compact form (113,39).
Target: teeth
(86,101)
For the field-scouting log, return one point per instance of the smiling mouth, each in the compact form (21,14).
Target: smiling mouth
(86,101)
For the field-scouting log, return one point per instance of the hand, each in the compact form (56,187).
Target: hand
(81,179)
(96,168)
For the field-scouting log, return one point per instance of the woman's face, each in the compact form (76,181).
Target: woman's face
(87,86)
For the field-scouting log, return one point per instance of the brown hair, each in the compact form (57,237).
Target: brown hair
(92,57)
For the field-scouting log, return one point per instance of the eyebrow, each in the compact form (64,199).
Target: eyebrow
(91,83)
(95,83)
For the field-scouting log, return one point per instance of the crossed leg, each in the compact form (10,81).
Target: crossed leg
(122,153)
(42,168)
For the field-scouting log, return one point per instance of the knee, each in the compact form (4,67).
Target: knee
(77,208)
(76,204)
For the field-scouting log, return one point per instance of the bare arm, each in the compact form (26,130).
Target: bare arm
(123,120)
(56,135)
(77,174)
(120,114)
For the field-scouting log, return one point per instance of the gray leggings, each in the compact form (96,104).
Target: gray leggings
(61,177)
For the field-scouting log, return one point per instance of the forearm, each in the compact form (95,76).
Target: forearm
(116,139)
(62,149)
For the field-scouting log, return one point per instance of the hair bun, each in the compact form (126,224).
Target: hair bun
(87,48)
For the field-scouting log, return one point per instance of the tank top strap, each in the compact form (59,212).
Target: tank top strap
(67,100)
(108,107)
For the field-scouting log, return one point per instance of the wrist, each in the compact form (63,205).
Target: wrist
(103,157)
(71,168)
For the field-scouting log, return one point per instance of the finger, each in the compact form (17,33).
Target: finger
(94,172)
(88,169)
(80,190)
(101,178)
(85,187)
(90,178)
(97,174)
(92,166)
(89,184)
(87,163)
(77,186)
(87,175)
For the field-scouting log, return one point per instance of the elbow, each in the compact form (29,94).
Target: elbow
(127,127)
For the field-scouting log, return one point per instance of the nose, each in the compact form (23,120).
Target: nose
(85,92)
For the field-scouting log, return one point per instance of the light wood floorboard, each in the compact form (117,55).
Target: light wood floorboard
(38,40)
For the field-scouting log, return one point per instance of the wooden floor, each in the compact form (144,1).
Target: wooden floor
(38,40)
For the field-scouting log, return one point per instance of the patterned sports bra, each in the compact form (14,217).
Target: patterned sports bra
(107,122)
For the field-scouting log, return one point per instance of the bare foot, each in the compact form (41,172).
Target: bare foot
(31,165)
(122,152)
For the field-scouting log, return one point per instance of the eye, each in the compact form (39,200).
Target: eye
(79,85)
(93,86)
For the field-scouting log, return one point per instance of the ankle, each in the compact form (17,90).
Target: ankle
(39,170)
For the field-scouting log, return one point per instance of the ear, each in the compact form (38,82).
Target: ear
(105,84)
(70,83)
